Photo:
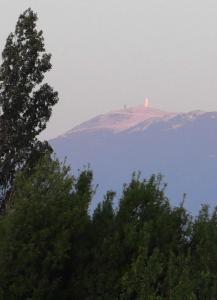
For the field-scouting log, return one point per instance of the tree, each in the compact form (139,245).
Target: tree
(25,102)
(43,245)
(204,254)
(52,248)
(103,267)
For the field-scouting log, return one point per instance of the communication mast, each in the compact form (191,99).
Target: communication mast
(146,103)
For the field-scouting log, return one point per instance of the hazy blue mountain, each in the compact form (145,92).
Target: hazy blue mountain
(181,146)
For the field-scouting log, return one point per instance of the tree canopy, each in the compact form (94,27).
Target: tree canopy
(52,247)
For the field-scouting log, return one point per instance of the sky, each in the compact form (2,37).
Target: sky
(111,53)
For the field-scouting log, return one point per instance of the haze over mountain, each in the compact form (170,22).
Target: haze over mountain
(181,146)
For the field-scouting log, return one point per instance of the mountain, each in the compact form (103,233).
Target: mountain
(122,120)
(181,146)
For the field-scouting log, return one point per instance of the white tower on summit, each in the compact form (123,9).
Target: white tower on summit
(146,103)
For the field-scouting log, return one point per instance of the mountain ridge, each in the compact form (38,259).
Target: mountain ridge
(181,146)
(121,120)
(129,119)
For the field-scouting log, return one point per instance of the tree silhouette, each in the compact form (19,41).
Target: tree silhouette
(25,102)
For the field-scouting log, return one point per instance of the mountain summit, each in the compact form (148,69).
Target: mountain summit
(181,146)
(122,120)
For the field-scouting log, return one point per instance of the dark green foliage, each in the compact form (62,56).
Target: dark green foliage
(42,242)
(52,248)
(204,254)
(26,103)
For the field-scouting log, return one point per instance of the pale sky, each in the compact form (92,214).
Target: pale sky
(111,53)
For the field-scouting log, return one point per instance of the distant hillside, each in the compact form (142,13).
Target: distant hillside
(182,146)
